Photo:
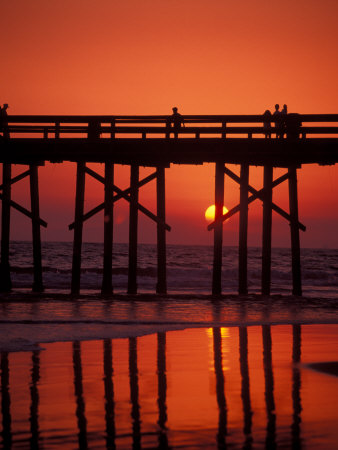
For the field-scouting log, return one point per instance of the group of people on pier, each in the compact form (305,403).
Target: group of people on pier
(284,123)
(279,119)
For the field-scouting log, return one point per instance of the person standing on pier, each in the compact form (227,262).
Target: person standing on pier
(4,121)
(277,119)
(177,121)
(283,115)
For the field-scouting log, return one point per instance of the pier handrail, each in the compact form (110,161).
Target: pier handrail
(51,126)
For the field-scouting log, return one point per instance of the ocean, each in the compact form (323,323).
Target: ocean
(189,269)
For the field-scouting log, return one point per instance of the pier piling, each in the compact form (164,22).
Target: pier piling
(218,230)
(243,232)
(5,276)
(295,241)
(161,287)
(36,232)
(78,227)
(267,230)
(133,229)
(107,286)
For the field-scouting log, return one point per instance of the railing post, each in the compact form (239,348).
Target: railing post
(78,227)
(112,126)
(161,287)
(107,286)
(133,224)
(295,241)
(168,126)
(243,232)
(57,130)
(218,229)
(267,230)
(224,125)
(5,275)
(36,233)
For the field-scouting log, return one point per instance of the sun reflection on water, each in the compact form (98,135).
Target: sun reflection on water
(225,336)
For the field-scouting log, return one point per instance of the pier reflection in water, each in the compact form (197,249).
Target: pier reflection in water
(245,387)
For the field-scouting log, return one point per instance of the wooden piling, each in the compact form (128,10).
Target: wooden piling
(36,234)
(107,286)
(267,230)
(5,275)
(243,232)
(295,241)
(78,228)
(218,230)
(133,224)
(161,287)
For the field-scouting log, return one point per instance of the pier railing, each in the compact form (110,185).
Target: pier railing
(193,126)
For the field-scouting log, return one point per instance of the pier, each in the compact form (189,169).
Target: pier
(152,141)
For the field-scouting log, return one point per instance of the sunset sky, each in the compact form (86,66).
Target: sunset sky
(143,57)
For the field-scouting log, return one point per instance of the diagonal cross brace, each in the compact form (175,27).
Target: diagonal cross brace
(17,178)
(24,211)
(121,194)
(256,194)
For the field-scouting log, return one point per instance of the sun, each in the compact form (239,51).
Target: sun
(210,212)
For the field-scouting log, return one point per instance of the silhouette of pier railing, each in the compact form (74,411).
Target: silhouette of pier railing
(99,127)
(155,141)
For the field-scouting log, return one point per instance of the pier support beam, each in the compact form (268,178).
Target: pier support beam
(161,287)
(295,241)
(78,228)
(243,232)
(5,276)
(267,229)
(133,224)
(107,286)
(218,230)
(36,233)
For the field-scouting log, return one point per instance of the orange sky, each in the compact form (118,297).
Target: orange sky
(204,56)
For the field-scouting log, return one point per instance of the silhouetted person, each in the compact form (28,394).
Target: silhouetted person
(267,118)
(177,121)
(4,121)
(283,115)
(276,116)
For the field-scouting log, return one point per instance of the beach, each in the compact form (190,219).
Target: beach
(182,371)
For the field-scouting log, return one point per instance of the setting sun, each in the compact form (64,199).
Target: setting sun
(210,212)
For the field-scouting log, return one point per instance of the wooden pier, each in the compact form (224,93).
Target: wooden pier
(151,141)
